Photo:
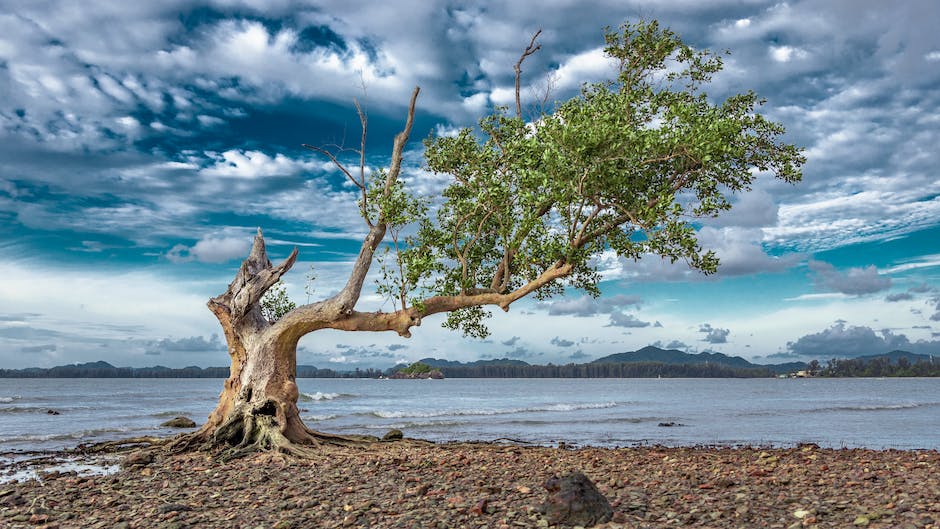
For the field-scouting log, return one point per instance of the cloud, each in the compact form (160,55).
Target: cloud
(714,334)
(622,319)
(191,344)
(854,281)
(396,347)
(673,344)
(578,355)
(211,249)
(44,348)
(561,342)
(511,342)
(841,340)
(236,163)
(585,306)
(900,296)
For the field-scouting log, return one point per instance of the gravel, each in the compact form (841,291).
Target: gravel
(414,484)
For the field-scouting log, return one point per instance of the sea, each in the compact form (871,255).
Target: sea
(900,413)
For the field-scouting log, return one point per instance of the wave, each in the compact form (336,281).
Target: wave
(381,414)
(314,418)
(23,409)
(7,400)
(877,407)
(310,397)
(83,434)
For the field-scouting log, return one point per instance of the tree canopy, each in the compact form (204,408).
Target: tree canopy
(627,166)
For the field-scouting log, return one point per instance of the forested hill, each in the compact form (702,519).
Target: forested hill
(102,369)
(649,362)
(673,356)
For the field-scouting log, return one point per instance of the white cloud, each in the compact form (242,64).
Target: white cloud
(212,249)
(933,56)
(236,163)
(787,53)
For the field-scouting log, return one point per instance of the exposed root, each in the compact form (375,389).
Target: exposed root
(121,445)
(248,433)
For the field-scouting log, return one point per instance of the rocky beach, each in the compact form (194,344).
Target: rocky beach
(422,485)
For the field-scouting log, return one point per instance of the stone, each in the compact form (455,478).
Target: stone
(574,500)
(52,412)
(393,435)
(139,458)
(180,422)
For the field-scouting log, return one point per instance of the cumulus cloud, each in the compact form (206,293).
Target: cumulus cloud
(510,342)
(854,281)
(714,334)
(560,342)
(236,163)
(630,321)
(673,344)
(211,249)
(842,340)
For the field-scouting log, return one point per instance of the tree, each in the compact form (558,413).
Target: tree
(627,166)
(275,303)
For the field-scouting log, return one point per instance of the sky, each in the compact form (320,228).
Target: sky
(142,145)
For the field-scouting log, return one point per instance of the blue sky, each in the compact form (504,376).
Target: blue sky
(141,145)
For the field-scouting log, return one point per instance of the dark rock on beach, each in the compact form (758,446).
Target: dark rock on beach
(574,500)
(180,422)
(137,459)
(393,435)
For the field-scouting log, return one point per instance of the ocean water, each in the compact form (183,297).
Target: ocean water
(871,413)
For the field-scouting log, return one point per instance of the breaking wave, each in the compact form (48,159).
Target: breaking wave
(311,397)
(7,400)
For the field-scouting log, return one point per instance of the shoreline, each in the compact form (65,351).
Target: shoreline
(419,484)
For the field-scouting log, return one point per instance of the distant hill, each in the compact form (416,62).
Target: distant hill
(675,357)
(436,362)
(101,369)
(896,355)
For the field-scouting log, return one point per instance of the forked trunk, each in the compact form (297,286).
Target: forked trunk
(257,409)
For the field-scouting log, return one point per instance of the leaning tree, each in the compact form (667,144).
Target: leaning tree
(627,166)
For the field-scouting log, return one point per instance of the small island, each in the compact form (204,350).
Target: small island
(417,370)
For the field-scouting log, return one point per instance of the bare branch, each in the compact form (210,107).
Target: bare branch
(336,162)
(529,50)
(399,146)
(255,276)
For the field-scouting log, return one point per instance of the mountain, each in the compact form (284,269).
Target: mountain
(675,357)
(436,362)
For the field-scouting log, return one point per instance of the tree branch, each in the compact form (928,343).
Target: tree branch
(255,276)
(401,321)
(529,50)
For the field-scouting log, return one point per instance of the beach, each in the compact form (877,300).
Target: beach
(449,485)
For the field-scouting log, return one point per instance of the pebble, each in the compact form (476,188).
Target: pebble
(477,485)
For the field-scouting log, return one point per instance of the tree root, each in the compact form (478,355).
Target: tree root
(121,445)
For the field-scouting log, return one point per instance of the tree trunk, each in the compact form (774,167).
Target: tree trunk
(257,409)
